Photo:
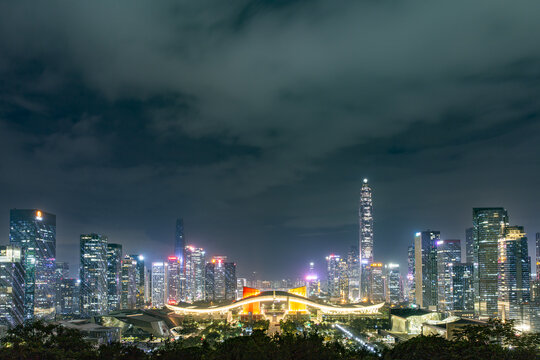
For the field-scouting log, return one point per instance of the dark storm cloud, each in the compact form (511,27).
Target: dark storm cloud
(255,120)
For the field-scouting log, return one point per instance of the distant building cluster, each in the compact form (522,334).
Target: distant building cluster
(492,279)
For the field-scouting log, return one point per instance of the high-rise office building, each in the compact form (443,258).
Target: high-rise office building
(463,289)
(174,290)
(448,254)
(195,261)
(128,283)
(159,284)
(365,215)
(11,285)
(220,279)
(425,260)
(61,272)
(140,281)
(344,273)
(353,276)
(514,275)
(376,283)
(333,274)
(179,241)
(69,296)
(410,294)
(93,274)
(489,226)
(34,231)
(114,276)
(393,285)
(469,245)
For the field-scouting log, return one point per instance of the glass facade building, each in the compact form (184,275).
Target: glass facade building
(394,287)
(353,266)
(69,296)
(410,294)
(448,255)
(194,274)
(469,245)
(159,284)
(463,289)
(128,293)
(174,290)
(333,275)
(140,280)
(34,231)
(365,217)
(489,225)
(220,279)
(376,283)
(425,247)
(93,274)
(11,286)
(114,276)
(179,241)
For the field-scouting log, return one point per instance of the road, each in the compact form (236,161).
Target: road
(370,347)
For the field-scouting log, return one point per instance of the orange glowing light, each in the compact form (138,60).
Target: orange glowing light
(376,265)
(253,308)
(295,306)
(38,214)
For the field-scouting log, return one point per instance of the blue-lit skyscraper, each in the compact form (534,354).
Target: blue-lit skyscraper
(114,276)
(448,255)
(179,241)
(469,245)
(365,222)
(93,274)
(34,231)
(11,286)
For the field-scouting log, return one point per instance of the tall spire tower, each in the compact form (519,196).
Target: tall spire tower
(365,217)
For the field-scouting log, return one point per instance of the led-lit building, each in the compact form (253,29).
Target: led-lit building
(114,276)
(173,280)
(93,274)
(410,283)
(333,275)
(69,297)
(11,286)
(376,283)
(489,225)
(514,275)
(159,284)
(425,261)
(61,272)
(179,241)
(463,289)
(469,245)
(34,231)
(448,254)
(140,280)
(128,283)
(194,274)
(393,284)
(220,279)
(353,276)
(365,215)
(313,285)
(538,255)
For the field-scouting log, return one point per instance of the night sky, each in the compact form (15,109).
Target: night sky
(256,121)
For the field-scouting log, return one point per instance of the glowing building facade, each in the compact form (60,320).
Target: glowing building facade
(514,275)
(376,283)
(353,276)
(425,261)
(34,231)
(194,274)
(448,255)
(333,275)
(174,290)
(489,226)
(128,294)
(114,276)
(365,217)
(140,281)
(393,284)
(179,241)
(469,245)
(11,286)
(463,289)
(220,277)
(538,255)
(159,284)
(410,282)
(69,291)
(93,274)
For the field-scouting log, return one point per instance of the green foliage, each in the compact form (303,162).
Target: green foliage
(365,324)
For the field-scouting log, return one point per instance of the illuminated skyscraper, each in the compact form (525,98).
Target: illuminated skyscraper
(11,286)
(220,279)
(34,231)
(179,241)
(140,274)
(489,227)
(410,274)
(313,285)
(333,273)
(195,261)
(365,215)
(376,283)
(61,272)
(538,255)
(128,294)
(159,284)
(114,275)
(93,274)
(173,280)
(394,288)
(448,255)
(425,261)
(69,296)
(514,274)
(463,289)
(469,245)
(353,276)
